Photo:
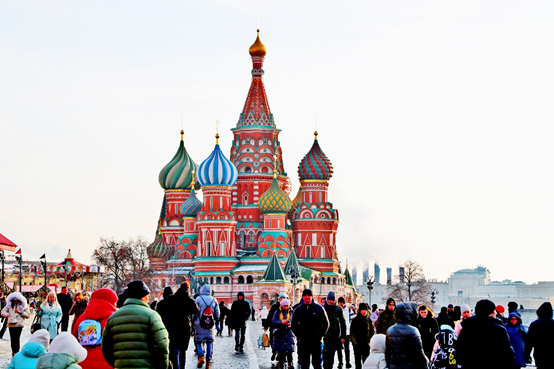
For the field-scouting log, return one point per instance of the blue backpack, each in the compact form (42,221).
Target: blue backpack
(89,333)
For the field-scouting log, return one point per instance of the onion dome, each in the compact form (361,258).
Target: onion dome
(217,170)
(315,164)
(192,205)
(158,249)
(297,200)
(177,174)
(274,200)
(257,49)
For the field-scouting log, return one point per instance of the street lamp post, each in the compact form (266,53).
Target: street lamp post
(43,262)
(294,276)
(2,257)
(434,292)
(20,260)
(370,282)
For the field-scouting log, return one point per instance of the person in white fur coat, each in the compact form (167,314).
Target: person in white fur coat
(376,358)
(64,353)
(16,311)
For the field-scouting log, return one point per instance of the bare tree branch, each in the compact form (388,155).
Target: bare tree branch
(412,286)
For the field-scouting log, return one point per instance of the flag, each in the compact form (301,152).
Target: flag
(18,252)
(43,256)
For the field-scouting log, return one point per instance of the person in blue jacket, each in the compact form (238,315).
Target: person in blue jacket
(50,314)
(34,348)
(283,338)
(518,336)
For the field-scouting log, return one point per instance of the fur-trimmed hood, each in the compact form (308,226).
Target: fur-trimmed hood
(17,296)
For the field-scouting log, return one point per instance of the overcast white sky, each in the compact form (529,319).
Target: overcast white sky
(437,116)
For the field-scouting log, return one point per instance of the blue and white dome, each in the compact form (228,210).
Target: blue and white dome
(192,205)
(217,170)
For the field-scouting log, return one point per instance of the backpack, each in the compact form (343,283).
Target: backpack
(207,318)
(89,333)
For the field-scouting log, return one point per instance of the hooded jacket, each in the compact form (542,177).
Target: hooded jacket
(176,311)
(101,307)
(376,359)
(16,316)
(64,353)
(428,329)
(361,330)
(135,325)
(540,336)
(203,301)
(386,318)
(404,348)
(240,312)
(482,331)
(518,335)
(309,322)
(337,323)
(445,355)
(283,338)
(28,356)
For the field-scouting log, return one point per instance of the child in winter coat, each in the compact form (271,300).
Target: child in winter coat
(64,353)
(376,359)
(34,348)
(283,338)
(445,355)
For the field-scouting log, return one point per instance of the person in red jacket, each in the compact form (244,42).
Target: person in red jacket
(100,307)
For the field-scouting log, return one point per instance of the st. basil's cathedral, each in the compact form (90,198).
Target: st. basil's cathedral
(247,235)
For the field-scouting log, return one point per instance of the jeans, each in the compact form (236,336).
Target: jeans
(209,349)
(239,336)
(346,351)
(178,354)
(64,323)
(329,354)
(309,350)
(360,355)
(15,333)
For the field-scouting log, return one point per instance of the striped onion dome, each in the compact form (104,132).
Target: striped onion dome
(177,174)
(315,164)
(192,205)
(274,200)
(297,200)
(217,170)
(158,249)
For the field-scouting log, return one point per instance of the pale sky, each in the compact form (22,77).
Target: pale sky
(437,117)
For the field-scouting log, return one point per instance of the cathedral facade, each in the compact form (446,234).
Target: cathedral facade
(247,234)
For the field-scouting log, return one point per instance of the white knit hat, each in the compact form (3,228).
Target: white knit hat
(465,307)
(41,336)
(65,343)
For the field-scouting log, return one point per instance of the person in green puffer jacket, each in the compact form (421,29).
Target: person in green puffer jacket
(135,336)
(64,353)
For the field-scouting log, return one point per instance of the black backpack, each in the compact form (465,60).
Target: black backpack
(207,317)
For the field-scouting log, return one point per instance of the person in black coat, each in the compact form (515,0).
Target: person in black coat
(309,325)
(483,342)
(404,348)
(176,312)
(541,337)
(240,312)
(444,318)
(361,331)
(66,302)
(336,334)
(428,328)
(275,307)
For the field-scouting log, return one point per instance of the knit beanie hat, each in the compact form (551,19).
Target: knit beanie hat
(41,336)
(484,307)
(464,307)
(331,296)
(285,302)
(137,289)
(363,306)
(65,343)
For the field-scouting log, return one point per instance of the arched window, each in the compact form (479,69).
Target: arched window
(226,280)
(334,281)
(211,280)
(218,280)
(247,170)
(249,280)
(322,280)
(241,279)
(328,280)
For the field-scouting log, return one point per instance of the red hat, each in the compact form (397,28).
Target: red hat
(106,294)
(500,309)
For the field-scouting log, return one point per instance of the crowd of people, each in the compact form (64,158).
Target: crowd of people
(125,331)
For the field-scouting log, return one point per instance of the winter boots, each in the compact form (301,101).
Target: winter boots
(201,362)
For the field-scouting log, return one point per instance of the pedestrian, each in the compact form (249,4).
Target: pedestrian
(101,307)
(443,318)
(336,334)
(540,338)
(4,320)
(444,357)
(376,359)
(79,306)
(348,316)
(500,314)
(309,325)
(404,349)
(15,311)
(177,311)
(253,314)
(204,332)
(283,336)
(387,318)
(263,314)
(512,308)
(428,329)
(466,313)
(361,332)
(66,302)
(50,314)
(30,352)
(518,336)
(240,312)
(154,304)
(220,322)
(457,314)
(135,336)
(121,298)
(483,342)
(450,311)
(274,308)
(64,353)
(375,315)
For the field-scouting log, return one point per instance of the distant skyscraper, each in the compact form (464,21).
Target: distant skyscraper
(389,275)
(355,275)
(377,271)
(366,271)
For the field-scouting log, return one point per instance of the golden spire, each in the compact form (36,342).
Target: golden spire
(182,133)
(275,166)
(257,49)
(193,180)
(315,134)
(217,132)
